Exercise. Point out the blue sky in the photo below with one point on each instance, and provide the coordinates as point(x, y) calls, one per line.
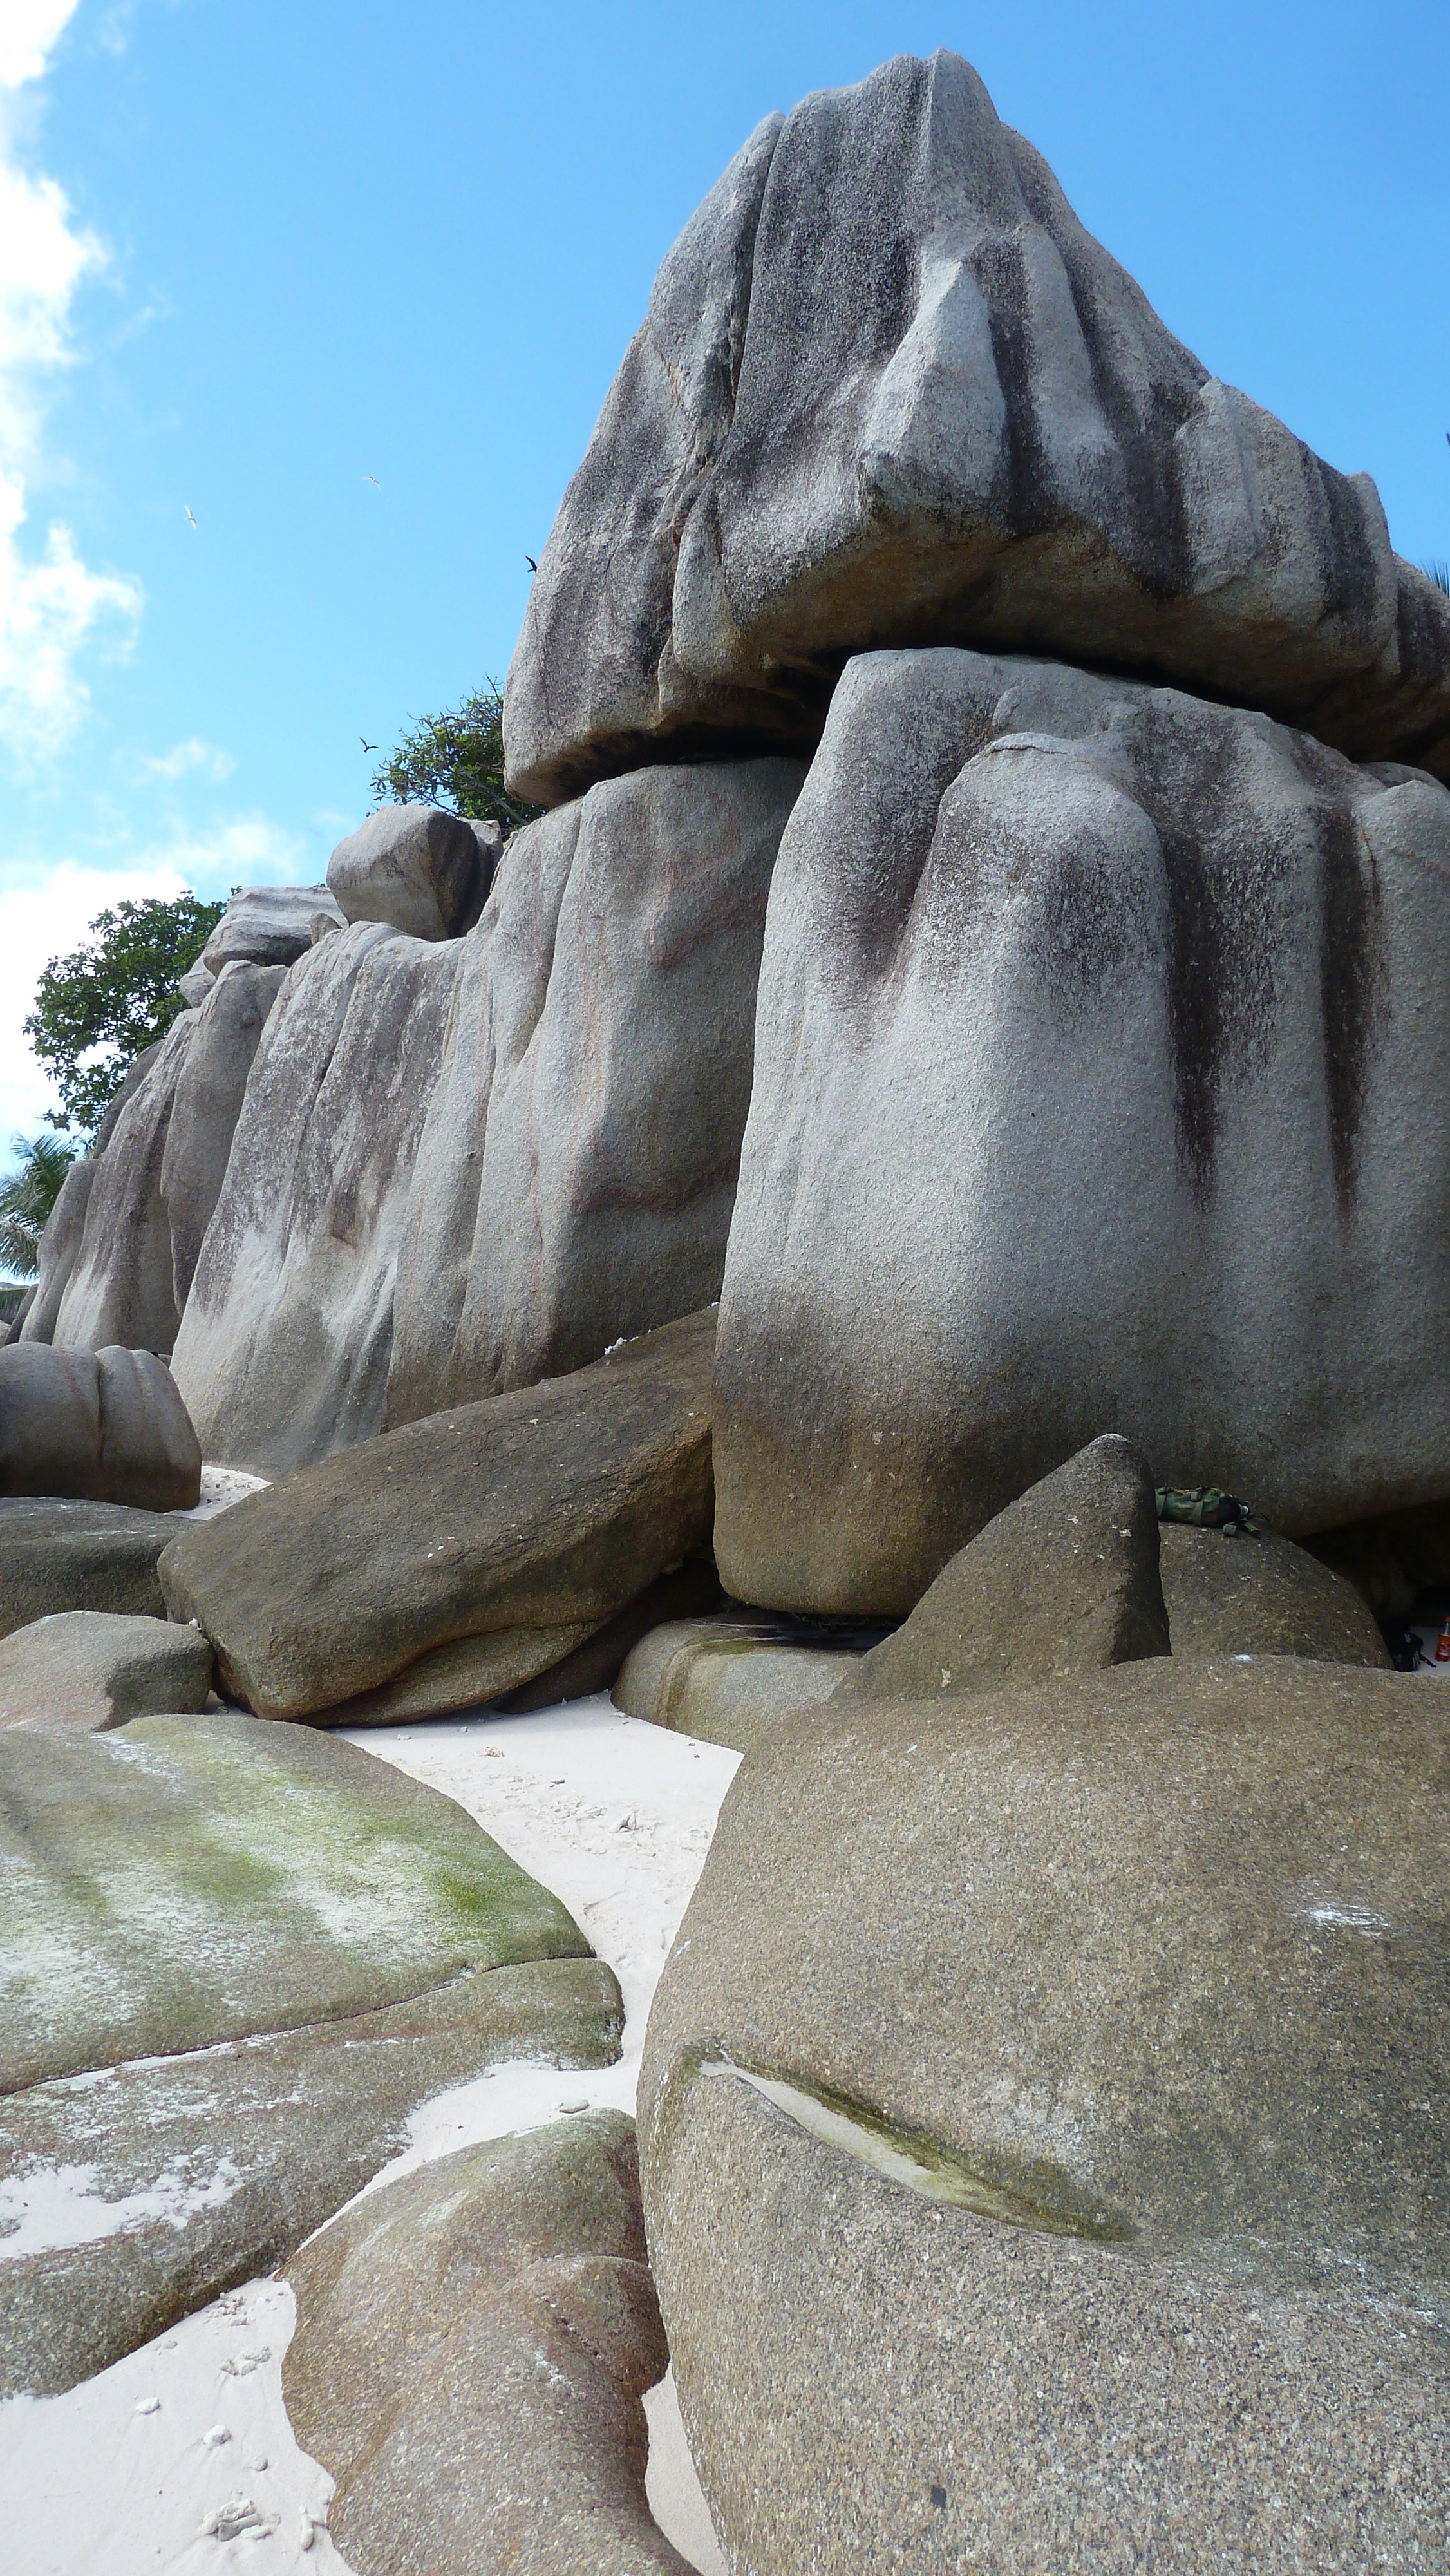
point(253, 252)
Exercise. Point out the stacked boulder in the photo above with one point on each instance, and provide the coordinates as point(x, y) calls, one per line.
point(990, 929)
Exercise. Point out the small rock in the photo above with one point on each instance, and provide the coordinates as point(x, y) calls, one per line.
point(1064, 1581)
point(94, 1669)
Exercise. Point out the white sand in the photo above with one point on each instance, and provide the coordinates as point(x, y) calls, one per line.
point(616, 1818)
point(221, 1487)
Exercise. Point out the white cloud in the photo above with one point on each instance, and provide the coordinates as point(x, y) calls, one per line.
point(29, 32)
point(189, 759)
point(47, 611)
point(51, 603)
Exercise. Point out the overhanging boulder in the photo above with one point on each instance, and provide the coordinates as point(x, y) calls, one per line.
point(973, 428)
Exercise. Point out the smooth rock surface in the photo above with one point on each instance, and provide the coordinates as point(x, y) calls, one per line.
point(1102, 1034)
point(268, 925)
point(99, 1426)
point(92, 1669)
point(726, 1679)
point(61, 1555)
point(283, 1351)
point(1262, 1596)
point(1099, 2211)
point(237, 1957)
point(416, 867)
point(576, 1173)
point(452, 1560)
point(120, 1286)
point(65, 1228)
point(209, 1093)
point(472, 2346)
point(56, 1255)
point(973, 429)
point(235, 1878)
point(1064, 1581)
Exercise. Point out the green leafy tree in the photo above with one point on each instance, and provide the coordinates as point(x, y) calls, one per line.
point(116, 993)
point(455, 759)
point(27, 1196)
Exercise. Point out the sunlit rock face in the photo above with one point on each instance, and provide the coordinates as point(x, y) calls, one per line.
point(1101, 1047)
point(575, 1173)
point(889, 391)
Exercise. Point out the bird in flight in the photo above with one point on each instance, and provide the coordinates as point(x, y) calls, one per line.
point(367, 746)
point(186, 505)
point(372, 478)
point(529, 560)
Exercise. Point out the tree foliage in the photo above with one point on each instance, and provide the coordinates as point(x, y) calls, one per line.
point(116, 993)
point(455, 759)
point(27, 1196)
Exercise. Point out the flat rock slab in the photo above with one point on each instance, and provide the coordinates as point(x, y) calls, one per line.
point(189, 1880)
point(131, 2196)
point(472, 2347)
point(59, 1555)
point(1262, 1596)
point(451, 1560)
point(1064, 1581)
point(93, 1669)
point(1042, 2127)
point(726, 1679)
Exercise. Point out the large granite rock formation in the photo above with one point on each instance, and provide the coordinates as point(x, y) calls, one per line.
point(145, 1198)
point(96, 1426)
point(65, 1228)
point(120, 1285)
point(210, 1089)
point(1042, 2128)
point(452, 1560)
point(416, 867)
point(56, 1257)
point(1103, 1037)
point(237, 1957)
point(472, 2346)
point(283, 1351)
point(972, 429)
point(576, 1172)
